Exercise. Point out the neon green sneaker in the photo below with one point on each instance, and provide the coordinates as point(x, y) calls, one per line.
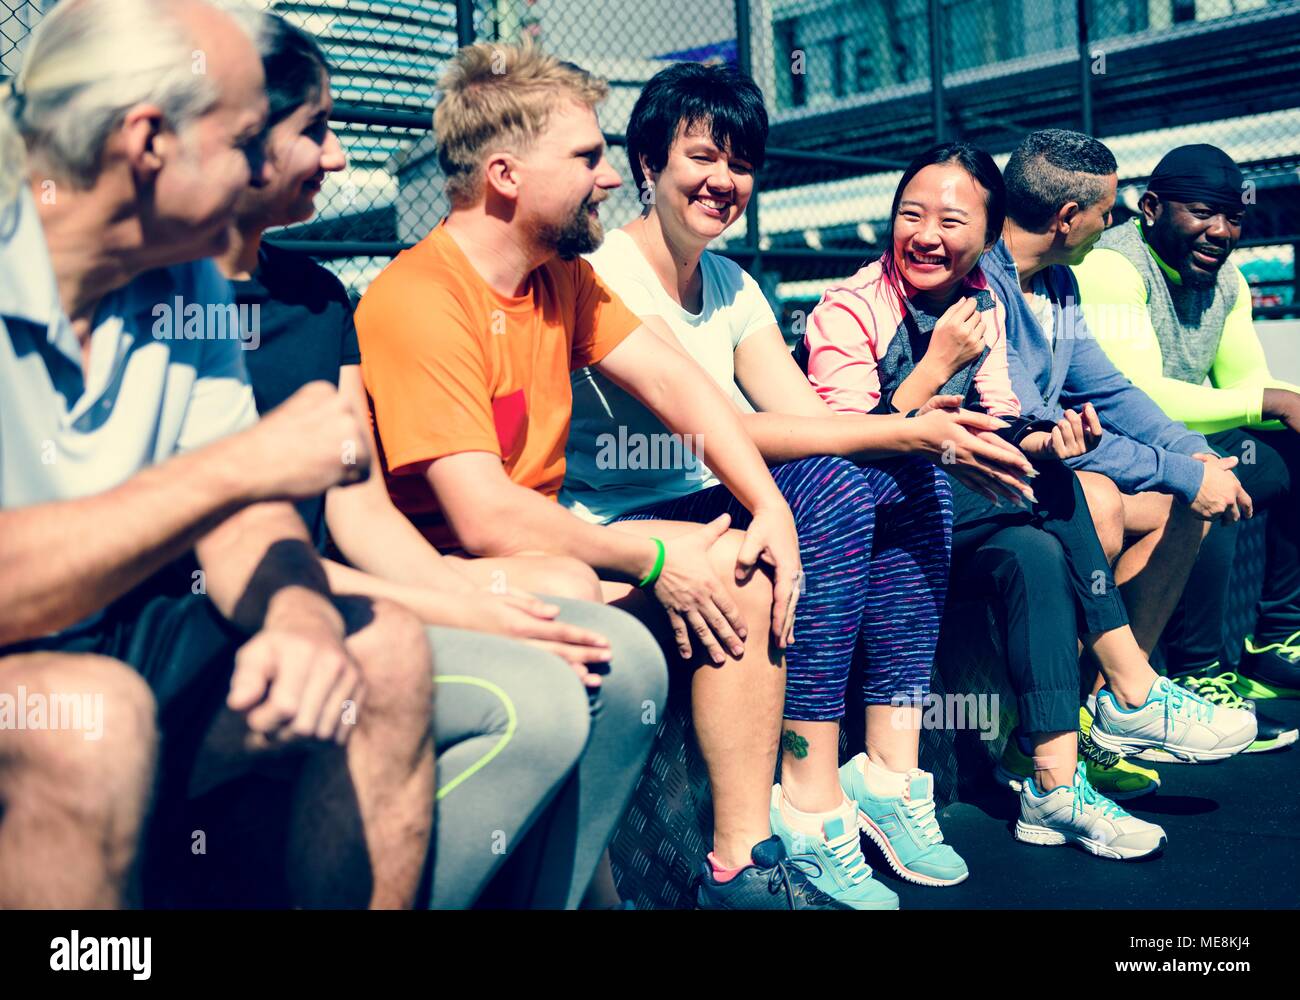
point(1271, 670)
point(1221, 689)
point(1109, 773)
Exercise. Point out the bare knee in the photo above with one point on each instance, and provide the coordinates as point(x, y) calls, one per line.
point(129, 717)
point(1106, 505)
point(114, 704)
point(564, 576)
point(1184, 522)
point(753, 596)
point(392, 652)
point(96, 750)
point(1155, 513)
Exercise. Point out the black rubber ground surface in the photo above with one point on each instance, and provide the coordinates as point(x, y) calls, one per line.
point(1234, 842)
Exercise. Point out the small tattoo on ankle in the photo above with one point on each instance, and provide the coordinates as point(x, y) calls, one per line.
point(795, 744)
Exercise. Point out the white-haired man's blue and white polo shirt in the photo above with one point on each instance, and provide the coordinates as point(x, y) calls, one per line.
point(153, 387)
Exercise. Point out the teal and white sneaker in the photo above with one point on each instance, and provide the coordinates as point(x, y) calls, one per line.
point(904, 826)
point(1174, 724)
point(837, 849)
point(1081, 815)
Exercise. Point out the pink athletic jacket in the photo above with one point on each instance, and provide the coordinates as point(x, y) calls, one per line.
point(864, 339)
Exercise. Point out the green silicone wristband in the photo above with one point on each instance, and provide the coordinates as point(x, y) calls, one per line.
point(658, 567)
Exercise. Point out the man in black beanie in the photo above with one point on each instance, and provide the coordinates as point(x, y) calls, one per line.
point(1172, 311)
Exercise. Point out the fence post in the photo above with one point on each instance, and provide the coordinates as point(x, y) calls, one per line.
point(937, 110)
point(1295, 277)
point(1085, 67)
point(464, 22)
point(745, 62)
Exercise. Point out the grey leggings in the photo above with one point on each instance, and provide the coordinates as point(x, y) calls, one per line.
point(511, 723)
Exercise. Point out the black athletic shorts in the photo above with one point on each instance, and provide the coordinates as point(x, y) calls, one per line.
point(183, 648)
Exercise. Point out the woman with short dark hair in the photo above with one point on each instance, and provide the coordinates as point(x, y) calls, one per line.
point(873, 537)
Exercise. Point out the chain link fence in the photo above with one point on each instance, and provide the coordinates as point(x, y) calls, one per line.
point(853, 93)
point(1143, 75)
point(17, 18)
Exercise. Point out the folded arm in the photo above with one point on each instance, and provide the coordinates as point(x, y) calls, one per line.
point(62, 561)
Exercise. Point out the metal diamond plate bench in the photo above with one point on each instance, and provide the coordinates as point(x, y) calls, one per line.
point(668, 827)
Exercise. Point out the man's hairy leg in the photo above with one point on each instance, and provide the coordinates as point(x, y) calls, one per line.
point(73, 806)
point(363, 813)
point(1153, 570)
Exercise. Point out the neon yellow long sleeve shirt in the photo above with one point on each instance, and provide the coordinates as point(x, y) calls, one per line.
point(1114, 298)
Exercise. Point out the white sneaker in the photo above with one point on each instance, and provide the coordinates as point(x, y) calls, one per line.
point(1174, 725)
point(1081, 815)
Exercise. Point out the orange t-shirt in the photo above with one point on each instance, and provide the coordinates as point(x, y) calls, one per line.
point(452, 366)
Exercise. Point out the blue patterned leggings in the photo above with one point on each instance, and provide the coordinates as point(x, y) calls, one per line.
point(876, 542)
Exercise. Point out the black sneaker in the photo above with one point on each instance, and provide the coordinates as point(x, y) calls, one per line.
point(1221, 689)
point(775, 881)
point(1272, 735)
point(1270, 670)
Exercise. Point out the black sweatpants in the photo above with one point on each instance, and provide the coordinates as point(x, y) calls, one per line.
point(1046, 569)
point(1269, 466)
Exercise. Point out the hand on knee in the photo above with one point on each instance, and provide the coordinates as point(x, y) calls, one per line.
point(755, 595)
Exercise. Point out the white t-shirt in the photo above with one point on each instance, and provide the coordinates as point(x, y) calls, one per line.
point(1040, 304)
point(620, 457)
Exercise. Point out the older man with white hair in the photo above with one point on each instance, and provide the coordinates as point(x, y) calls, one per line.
point(136, 125)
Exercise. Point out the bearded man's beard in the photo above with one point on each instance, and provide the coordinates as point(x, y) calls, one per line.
point(582, 233)
point(1193, 275)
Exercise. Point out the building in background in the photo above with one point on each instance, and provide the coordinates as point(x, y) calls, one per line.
point(625, 45)
point(853, 77)
point(849, 90)
point(389, 55)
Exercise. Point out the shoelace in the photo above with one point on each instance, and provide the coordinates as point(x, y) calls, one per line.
point(1085, 795)
point(1291, 649)
point(1181, 701)
point(847, 851)
point(1217, 690)
point(922, 813)
point(808, 866)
